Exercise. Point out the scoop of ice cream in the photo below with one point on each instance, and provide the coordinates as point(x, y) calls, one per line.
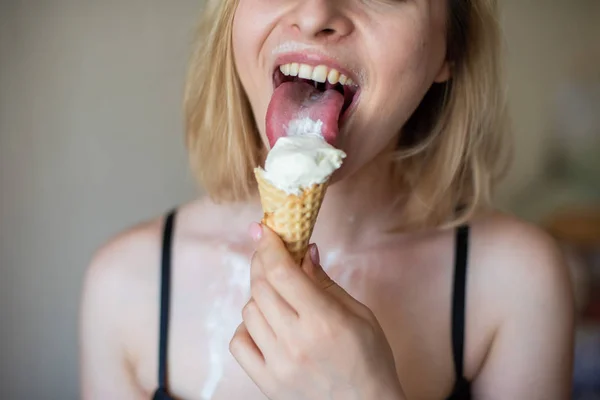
point(300, 161)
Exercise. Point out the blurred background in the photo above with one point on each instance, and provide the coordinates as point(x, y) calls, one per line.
point(91, 142)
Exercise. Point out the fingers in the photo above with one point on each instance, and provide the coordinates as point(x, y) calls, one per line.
point(289, 281)
point(258, 328)
point(312, 267)
point(280, 316)
point(247, 354)
point(314, 270)
point(273, 308)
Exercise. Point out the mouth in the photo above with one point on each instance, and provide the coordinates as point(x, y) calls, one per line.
point(323, 78)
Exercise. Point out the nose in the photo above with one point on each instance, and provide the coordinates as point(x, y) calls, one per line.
point(321, 20)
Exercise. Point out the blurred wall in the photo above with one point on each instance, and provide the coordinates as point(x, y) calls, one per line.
point(91, 142)
point(548, 42)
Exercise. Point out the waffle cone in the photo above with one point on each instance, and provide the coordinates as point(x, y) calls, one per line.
point(291, 217)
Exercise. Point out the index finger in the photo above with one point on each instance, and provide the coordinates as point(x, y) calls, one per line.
point(292, 284)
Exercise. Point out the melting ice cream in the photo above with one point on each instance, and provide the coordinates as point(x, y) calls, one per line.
point(301, 159)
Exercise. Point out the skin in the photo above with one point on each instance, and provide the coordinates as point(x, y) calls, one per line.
point(375, 321)
point(300, 328)
point(379, 41)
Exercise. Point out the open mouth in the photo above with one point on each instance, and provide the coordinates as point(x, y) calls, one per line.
point(323, 78)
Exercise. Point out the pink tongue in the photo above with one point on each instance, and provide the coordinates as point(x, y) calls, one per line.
point(298, 100)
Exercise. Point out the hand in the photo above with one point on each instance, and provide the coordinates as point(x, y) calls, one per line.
point(304, 337)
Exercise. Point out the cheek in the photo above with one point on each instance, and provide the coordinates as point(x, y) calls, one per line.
point(244, 41)
point(402, 65)
point(405, 70)
point(251, 27)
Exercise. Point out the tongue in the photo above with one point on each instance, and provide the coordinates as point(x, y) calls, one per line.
point(300, 100)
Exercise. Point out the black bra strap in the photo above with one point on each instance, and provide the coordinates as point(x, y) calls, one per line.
point(165, 289)
point(458, 298)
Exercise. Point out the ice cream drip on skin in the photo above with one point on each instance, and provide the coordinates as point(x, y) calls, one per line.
point(330, 258)
point(224, 317)
point(347, 271)
point(301, 159)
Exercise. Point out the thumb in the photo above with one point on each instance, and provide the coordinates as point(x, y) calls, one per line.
point(311, 265)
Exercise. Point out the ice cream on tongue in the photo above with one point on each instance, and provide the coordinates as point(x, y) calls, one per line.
point(298, 101)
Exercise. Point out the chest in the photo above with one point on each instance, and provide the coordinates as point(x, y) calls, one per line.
point(412, 306)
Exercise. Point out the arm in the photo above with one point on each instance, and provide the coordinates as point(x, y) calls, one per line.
point(105, 373)
point(531, 354)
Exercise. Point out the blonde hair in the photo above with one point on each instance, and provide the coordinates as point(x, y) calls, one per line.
point(450, 153)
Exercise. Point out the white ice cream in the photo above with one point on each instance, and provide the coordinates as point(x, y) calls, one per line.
point(299, 161)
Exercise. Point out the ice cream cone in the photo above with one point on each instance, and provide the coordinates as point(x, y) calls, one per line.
point(292, 217)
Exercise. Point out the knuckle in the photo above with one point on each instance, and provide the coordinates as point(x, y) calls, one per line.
point(279, 272)
point(249, 310)
point(256, 285)
point(235, 344)
point(363, 334)
point(334, 326)
point(367, 331)
point(298, 354)
point(366, 313)
point(325, 330)
point(255, 264)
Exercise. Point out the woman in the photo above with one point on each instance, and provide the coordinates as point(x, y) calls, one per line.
point(442, 296)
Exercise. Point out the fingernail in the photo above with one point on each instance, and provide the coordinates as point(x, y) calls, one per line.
point(256, 231)
point(314, 254)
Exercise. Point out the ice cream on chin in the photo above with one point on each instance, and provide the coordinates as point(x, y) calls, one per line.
point(294, 181)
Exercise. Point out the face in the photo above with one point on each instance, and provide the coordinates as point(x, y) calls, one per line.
point(390, 51)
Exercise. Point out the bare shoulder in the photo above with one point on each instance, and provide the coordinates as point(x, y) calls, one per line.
point(121, 289)
point(513, 254)
point(131, 259)
point(118, 272)
point(518, 265)
point(521, 282)
point(121, 259)
point(520, 302)
point(109, 300)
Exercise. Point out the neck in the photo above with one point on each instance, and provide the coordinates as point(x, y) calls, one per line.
point(361, 208)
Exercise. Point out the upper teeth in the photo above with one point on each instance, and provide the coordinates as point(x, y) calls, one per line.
point(320, 73)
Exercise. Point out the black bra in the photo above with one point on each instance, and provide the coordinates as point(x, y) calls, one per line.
point(462, 387)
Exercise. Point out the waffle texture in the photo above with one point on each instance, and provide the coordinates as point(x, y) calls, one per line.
point(291, 217)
